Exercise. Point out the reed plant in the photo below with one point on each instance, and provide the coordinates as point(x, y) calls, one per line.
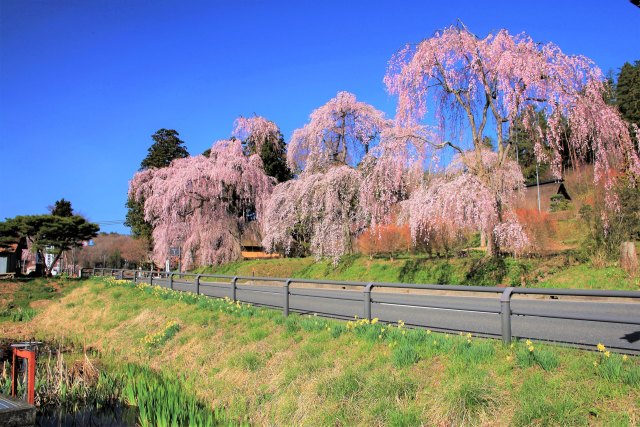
point(163, 401)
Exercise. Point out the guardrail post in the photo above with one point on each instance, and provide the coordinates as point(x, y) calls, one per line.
point(93, 272)
point(197, 284)
point(234, 288)
point(367, 301)
point(121, 275)
point(151, 278)
point(505, 315)
point(171, 281)
point(135, 276)
point(285, 295)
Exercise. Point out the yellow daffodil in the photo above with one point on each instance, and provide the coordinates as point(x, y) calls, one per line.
point(601, 347)
point(428, 331)
point(374, 321)
point(625, 357)
point(607, 353)
point(529, 342)
point(531, 349)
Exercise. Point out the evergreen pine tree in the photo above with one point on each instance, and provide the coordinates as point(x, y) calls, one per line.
point(167, 147)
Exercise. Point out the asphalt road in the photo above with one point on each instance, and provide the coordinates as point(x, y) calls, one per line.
point(476, 314)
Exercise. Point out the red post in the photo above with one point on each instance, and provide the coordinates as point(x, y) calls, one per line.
point(13, 374)
point(30, 355)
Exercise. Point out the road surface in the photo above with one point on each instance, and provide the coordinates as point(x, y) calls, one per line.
point(476, 314)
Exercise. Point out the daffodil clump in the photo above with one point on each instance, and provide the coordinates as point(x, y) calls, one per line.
point(616, 367)
point(156, 339)
point(527, 354)
point(220, 305)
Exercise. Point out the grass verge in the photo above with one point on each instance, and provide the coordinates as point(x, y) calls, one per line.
point(304, 370)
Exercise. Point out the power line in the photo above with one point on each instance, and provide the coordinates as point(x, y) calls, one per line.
point(110, 222)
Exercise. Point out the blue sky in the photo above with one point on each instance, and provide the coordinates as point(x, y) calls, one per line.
point(83, 84)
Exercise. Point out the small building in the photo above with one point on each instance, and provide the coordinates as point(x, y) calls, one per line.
point(10, 257)
point(251, 242)
point(548, 189)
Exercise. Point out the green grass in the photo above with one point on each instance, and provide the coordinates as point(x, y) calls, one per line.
point(560, 271)
point(584, 276)
point(306, 370)
point(468, 396)
point(18, 308)
point(542, 403)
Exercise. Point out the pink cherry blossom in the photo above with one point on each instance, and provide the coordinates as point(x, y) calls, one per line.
point(255, 131)
point(202, 204)
point(340, 132)
point(481, 84)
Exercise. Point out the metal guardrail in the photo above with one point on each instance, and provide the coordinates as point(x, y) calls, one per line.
point(505, 294)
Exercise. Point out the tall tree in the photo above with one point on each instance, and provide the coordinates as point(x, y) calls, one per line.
point(351, 168)
point(167, 146)
point(480, 84)
point(199, 203)
point(49, 233)
point(627, 92)
point(62, 207)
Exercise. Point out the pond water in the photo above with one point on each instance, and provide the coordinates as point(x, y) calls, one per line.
point(117, 415)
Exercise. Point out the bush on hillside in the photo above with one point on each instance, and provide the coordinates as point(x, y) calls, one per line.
point(539, 227)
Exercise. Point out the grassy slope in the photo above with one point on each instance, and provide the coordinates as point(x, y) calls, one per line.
point(307, 371)
point(560, 271)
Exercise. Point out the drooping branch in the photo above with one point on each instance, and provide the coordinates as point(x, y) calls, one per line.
point(198, 203)
point(514, 79)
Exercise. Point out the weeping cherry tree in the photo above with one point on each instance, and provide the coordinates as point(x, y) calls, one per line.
point(350, 174)
point(481, 88)
point(201, 203)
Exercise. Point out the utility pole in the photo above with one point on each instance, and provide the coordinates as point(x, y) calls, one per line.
point(538, 186)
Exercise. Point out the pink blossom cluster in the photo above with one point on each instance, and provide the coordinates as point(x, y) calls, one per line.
point(475, 193)
point(339, 132)
point(346, 182)
point(496, 80)
point(320, 210)
point(200, 203)
point(256, 130)
point(493, 82)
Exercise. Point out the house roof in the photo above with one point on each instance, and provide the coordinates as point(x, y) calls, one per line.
point(547, 190)
point(10, 249)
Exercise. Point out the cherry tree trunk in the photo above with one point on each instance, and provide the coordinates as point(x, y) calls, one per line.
point(628, 257)
point(492, 246)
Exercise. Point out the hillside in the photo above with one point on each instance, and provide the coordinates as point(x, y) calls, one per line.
point(557, 271)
